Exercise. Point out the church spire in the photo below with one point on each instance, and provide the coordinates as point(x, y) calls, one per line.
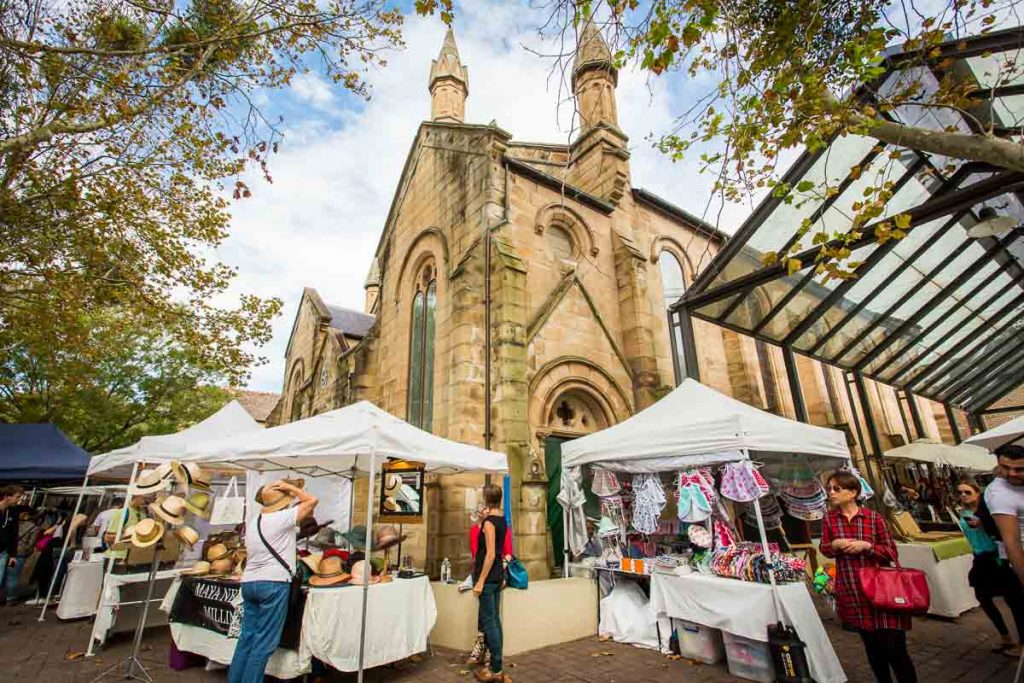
point(449, 83)
point(594, 79)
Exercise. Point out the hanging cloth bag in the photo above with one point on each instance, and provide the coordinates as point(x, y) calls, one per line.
point(515, 574)
point(292, 631)
point(228, 508)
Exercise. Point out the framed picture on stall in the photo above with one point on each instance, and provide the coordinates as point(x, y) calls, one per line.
point(401, 492)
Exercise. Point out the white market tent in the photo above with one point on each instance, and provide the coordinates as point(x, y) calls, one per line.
point(350, 442)
point(969, 457)
point(230, 421)
point(696, 425)
point(1008, 432)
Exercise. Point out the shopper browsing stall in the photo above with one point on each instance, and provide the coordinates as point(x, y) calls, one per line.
point(857, 537)
point(266, 582)
point(488, 577)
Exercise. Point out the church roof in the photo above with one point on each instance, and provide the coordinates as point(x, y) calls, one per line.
point(351, 323)
point(256, 403)
point(448, 64)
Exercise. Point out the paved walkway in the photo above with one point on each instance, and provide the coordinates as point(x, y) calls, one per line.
point(943, 651)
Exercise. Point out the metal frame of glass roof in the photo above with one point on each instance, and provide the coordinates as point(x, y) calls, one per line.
point(937, 313)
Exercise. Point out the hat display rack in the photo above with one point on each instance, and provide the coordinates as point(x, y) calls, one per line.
point(168, 513)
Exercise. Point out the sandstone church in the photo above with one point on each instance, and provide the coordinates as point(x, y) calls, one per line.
point(517, 298)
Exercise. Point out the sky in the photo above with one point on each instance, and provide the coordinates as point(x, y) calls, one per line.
point(336, 171)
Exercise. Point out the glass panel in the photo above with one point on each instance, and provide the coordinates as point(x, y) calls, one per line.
point(672, 283)
point(428, 358)
point(714, 310)
point(998, 69)
point(415, 410)
point(1009, 110)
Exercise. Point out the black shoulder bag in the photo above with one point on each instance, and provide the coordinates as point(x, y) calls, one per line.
point(292, 631)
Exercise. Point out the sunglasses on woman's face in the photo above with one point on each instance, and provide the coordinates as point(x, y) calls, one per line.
point(965, 492)
point(835, 489)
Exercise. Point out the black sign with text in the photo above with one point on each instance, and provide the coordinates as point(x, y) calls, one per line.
point(213, 605)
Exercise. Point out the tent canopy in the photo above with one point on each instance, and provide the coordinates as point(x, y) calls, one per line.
point(696, 425)
point(39, 451)
point(1008, 432)
point(341, 442)
point(114, 489)
point(230, 421)
point(969, 457)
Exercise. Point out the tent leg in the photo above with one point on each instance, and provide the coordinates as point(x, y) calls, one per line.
point(63, 552)
point(110, 562)
point(367, 567)
point(565, 543)
point(768, 554)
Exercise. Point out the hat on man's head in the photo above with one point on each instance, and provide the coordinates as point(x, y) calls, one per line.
point(272, 501)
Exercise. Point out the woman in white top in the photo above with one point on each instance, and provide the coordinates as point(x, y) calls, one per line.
point(266, 582)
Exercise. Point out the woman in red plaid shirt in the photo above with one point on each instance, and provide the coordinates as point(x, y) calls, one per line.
point(858, 537)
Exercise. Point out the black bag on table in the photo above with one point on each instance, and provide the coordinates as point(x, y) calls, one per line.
point(788, 654)
point(292, 631)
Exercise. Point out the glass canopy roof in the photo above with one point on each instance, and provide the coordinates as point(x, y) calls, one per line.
point(937, 312)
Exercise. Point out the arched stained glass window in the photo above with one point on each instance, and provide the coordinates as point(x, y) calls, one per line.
point(421, 352)
point(673, 286)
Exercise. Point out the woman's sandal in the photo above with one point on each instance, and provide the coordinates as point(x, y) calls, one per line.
point(485, 676)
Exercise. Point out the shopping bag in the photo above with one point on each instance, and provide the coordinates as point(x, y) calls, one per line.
point(895, 589)
point(789, 655)
point(515, 574)
point(228, 508)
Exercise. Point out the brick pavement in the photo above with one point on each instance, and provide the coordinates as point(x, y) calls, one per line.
point(942, 650)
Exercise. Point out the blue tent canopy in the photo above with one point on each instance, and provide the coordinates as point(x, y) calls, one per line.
point(39, 451)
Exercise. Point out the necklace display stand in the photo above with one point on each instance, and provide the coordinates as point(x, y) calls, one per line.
point(130, 668)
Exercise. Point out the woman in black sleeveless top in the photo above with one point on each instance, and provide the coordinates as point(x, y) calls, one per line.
point(488, 579)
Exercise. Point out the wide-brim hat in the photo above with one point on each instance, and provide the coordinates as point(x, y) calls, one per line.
point(188, 536)
point(146, 533)
point(392, 482)
point(190, 475)
point(330, 572)
point(222, 567)
point(359, 574)
point(200, 504)
point(151, 481)
point(171, 509)
point(217, 551)
point(309, 527)
point(356, 537)
point(272, 501)
point(387, 536)
point(312, 561)
point(200, 568)
point(325, 538)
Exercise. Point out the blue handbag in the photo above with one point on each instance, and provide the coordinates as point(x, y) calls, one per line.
point(515, 574)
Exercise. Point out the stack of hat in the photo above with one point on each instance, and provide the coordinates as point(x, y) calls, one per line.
point(804, 501)
point(221, 559)
point(328, 568)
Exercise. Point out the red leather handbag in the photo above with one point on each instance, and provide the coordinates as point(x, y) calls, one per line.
point(895, 589)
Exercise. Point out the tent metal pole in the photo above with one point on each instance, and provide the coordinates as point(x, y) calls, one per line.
point(768, 555)
point(63, 551)
point(367, 566)
point(110, 560)
point(565, 543)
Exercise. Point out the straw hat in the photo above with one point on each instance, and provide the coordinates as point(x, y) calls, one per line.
point(386, 536)
point(272, 501)
point(240, 555)
point(188, 536)
point(169, 508)
point(217, 551)
point(359, 573)
point(146, 533)
point(151, 481)
point(392, 484)
point(312, 561)
point(190, 475)
point(222, 567)
point(330, 572)
point(200, 504)
point(200, 568)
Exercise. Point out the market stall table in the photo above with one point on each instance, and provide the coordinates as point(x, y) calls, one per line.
point(81, 592)
point(744, 608)
point(947, 577)
point(112, 598)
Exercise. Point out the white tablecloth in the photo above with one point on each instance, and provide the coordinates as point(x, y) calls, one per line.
point(399, 618)
point(81, 591)
point(947, 579)
point(744, 608)
point(105, 613)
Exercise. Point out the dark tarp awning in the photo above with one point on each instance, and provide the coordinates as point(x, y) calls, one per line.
point(938, 312)
point(39, 451)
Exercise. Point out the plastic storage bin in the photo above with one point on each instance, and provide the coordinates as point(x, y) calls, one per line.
point(749, 659)
point(700, 642)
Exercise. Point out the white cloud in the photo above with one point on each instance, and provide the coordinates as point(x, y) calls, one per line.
point(318, 224)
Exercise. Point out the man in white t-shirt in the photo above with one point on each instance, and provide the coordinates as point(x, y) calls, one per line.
point(266, 582)
point(1005, 500)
